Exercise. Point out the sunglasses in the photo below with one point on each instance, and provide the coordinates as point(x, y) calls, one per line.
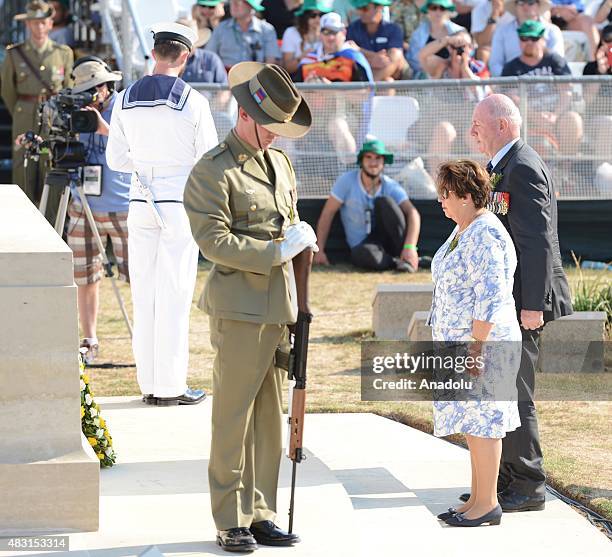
point(529, 39)
point(436, 8)
point(312, 15)
point(527, 2)
point(329, 32)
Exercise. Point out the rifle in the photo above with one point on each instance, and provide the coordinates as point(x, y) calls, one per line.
point(297, 369)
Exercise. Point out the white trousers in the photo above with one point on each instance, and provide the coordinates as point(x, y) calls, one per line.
point(163, 267)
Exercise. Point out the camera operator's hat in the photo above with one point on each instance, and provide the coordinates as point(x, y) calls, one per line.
point(544, 5)
point(36, 10)
point(448, 5)
point(375, 146)
point(170, 31)
point(91, 73)
point(268, 95)
point(531, 28)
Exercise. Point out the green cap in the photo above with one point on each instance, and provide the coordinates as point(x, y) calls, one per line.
point(323, 6)
point(256, 5)
point(208, 3)
point(446, 4)
point(531, 28)
point(375, 146)
point(363, 3)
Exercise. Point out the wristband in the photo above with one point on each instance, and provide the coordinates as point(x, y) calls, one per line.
point(410, 246)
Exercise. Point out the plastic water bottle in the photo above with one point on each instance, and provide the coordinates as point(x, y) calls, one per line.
point(598, 265)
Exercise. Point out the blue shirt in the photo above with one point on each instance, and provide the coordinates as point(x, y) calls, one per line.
point(349, 191)
point(204, 66)
point(387, 36)
point(115, 185)
point(232, 45)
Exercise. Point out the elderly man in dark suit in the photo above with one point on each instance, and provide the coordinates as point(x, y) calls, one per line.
point(525, 201)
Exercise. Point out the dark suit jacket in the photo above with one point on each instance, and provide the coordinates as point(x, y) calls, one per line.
point(540, 283)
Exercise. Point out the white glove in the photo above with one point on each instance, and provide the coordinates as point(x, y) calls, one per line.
point(298, 237)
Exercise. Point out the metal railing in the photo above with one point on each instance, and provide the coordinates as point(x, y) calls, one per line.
point(568, 120)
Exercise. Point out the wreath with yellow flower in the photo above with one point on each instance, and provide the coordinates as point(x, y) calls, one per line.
point(93, 424)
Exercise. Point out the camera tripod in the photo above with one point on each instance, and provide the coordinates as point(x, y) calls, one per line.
point(57, 178)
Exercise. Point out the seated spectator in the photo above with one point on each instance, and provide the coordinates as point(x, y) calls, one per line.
point(486, 16)
point(449, 113)
point(506, 44)
point(435, 27)
point(568, 14)
point(598, 99)
point(335, 59)
point(604, 13)
point(407, 14)
point(62, 32)
point(109, 206)
point(381, 42)
point(207, 14)
point(304, 38)
point(203, 66)
point(552, 125)
point(381, 224)
point(243, 37)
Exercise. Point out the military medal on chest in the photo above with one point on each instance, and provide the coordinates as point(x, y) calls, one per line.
point(499, 201)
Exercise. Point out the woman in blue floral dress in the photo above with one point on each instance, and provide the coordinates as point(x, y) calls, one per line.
point(473, 276)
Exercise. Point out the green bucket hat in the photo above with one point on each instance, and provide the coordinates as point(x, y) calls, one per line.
point(375, 146)
point(446, 4)
point(531, 28)
point(256, 5)
point(208, 3)
point(323, 6)
point(363, 3)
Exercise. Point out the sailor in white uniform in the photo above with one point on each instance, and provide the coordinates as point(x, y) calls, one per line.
point(160, 127)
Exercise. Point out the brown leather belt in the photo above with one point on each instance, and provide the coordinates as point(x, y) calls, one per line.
point(32, 98)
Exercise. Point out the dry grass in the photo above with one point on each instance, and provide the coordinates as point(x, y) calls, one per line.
point(575, 436)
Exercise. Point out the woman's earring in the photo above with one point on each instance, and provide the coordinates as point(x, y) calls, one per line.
point(464, 204)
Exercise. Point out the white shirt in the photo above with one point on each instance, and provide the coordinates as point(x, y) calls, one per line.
point(500, 154)
point(161, 143)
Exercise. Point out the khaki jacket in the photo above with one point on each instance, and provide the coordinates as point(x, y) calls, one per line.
point(237, 216)
point(54, 64)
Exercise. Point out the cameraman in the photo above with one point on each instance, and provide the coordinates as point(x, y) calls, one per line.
point(109, 204)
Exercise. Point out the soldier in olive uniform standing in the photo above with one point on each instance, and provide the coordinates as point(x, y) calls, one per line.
point(32, 72)
point(241, 202)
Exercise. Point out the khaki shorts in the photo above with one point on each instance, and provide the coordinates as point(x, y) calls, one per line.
point(87, 259)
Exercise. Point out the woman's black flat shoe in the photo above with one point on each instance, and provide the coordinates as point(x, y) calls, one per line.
point(492, 518)
point(452, 511)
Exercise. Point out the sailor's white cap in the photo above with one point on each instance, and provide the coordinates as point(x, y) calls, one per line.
point(171, 31)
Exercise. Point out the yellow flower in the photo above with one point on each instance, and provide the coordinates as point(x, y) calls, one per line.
point(85, 378)
point(82, 411)
point(101, 456)
point(102, 422)
point(92, 441)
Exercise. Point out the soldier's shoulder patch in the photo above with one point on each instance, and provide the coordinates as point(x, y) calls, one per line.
point(215, 151)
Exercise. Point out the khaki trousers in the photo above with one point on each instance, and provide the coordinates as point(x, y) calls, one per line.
point(246, 445)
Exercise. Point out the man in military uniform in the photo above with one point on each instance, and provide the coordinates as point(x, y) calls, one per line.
point(32, 72)
point(241, 202)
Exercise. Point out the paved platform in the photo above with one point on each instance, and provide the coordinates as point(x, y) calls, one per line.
point(370, 487)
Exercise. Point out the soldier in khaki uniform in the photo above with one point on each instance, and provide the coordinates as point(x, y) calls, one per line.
point(32, 72)
point(241, 202)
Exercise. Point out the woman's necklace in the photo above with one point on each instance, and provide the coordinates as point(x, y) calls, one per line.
point(455, 241)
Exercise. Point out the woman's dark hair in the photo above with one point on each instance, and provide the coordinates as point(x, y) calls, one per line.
point(463, 177)
point(301, 22)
